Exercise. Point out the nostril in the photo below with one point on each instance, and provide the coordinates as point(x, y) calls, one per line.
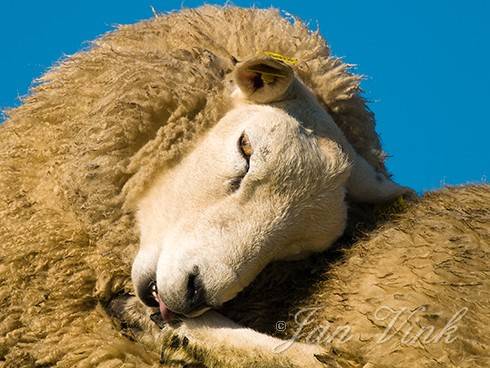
point(147, 291)
point(192, 283)
point(192, 286)
point(195, 292)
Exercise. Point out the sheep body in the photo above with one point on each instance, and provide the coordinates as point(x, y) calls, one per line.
point(96, 128)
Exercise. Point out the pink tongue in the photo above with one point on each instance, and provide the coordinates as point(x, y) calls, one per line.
point(166, 313)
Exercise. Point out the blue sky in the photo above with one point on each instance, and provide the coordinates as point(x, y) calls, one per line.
point(426, 62)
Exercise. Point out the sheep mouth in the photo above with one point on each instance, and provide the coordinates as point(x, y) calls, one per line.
point(165, 313)
point(167, 316)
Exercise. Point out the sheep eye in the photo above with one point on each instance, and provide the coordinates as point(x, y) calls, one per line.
point(245, 146)
point(246, 150)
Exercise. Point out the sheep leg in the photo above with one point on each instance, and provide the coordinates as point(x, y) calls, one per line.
point(219, 334)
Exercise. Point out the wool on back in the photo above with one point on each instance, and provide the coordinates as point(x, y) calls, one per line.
point(92, 134)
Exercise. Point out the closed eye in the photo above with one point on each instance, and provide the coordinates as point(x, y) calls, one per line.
point(246, 150)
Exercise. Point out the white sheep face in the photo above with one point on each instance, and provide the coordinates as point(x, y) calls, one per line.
point(262, 185)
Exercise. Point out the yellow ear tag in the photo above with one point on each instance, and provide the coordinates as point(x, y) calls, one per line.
point(280, 57)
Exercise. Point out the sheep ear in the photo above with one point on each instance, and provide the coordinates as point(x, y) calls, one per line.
point(367, 185)
point(263, 79)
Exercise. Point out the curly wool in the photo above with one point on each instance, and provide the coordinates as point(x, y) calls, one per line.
point(88, 140)
point(91, 135)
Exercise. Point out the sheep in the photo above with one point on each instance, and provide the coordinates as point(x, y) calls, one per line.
point(86, 145)
point(408, 289)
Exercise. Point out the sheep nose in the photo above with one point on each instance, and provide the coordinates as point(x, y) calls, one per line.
point(195, 296)
point(145, 291)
